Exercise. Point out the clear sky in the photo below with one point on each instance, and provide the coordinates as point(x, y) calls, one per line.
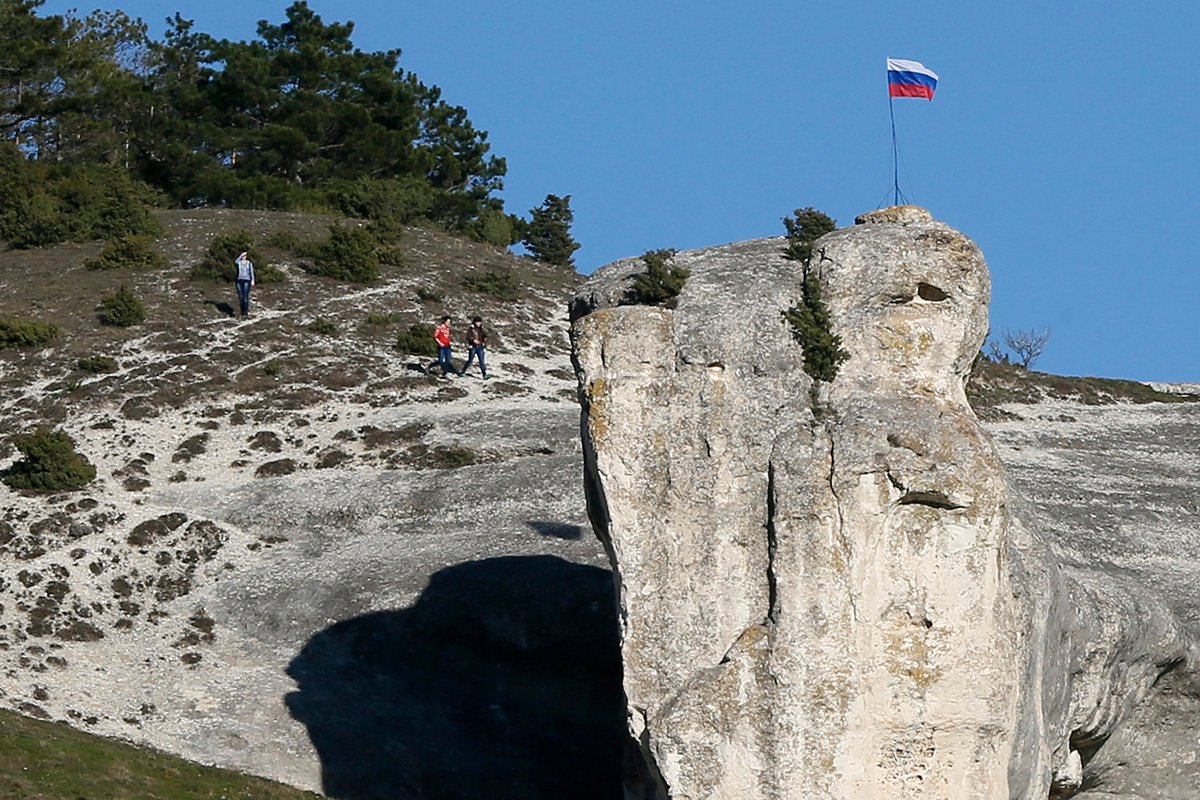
point(1063, 137)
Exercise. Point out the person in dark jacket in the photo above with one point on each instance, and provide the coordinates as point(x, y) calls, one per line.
point(476, 345)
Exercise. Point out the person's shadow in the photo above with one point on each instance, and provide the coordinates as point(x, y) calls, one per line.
point(502, 681)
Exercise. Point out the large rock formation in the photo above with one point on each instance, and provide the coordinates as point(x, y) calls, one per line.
point(829, 590)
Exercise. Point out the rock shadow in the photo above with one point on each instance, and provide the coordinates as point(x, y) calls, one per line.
point(502, 681)
point(557, 530)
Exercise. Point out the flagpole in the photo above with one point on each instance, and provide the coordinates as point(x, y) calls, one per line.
point(895, 154)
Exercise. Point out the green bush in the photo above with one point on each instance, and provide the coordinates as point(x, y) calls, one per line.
point(548, 233)
point(429, 295)
point(97, 364)
point(660, 284)
point(811, 327)
point(121, 309)
point(49, 463)
point(495, 227)
point(283, 240)
point(323, 327)
point(377, 319)
point(498, 283)
point(217, 264)
point(45, 203)
point(388, 204)
point(348, 255)
point(417, 340)
point(803, 229)
point(127, 252)
point(26, 333)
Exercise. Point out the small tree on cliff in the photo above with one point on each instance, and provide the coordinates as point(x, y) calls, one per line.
point(803, 228)
point(548, 234)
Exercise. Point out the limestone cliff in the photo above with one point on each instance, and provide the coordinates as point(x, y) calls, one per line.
point(830, 590)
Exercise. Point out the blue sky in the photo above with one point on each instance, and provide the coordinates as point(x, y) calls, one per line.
point(1063, 137)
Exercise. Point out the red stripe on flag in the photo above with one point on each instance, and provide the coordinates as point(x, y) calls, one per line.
point(909, 90)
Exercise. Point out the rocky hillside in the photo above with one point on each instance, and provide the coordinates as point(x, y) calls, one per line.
point(305, 558)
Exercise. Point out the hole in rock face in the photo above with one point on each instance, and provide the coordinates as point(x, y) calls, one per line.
point(927, 291)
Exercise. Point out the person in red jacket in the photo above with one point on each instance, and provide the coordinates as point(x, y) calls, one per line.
point(441, 335)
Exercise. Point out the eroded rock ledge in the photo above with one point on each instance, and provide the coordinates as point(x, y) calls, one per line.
point(830, 591)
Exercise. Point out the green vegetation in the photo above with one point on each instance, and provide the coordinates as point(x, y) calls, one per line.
point(121, 309)
point(660, 284)
point(430, 295)
point(127, 252)
point(823, 352)
point(805, 227)
point(273, 368)
point(98, 121)
point(417, 339)
point(26, 332)
point(51, 760)
point(323, 327)
point(97, 364)
point(548, 233)
point(49, 463)
point(217, 265)
point(499, 283)
point(348, 255)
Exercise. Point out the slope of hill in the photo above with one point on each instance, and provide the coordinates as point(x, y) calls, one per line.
point(259, 483)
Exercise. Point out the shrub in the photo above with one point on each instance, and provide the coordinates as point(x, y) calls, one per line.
point(823, 353)
point(388, 204)
point(49, 463)
point(26, 333)
point(283, 240)
point(803, 229)
point(660, 284)
point(323, 327)
point(429, 295)
point(97, 364)
point(273, 368)
point(127, 252)
point(348, 255)
point(377, 319)
point(217, 264)
point(121, 309)
point(497, 228)
point(417, 340)
point(498, 283)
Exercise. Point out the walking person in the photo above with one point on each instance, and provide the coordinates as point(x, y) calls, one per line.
point(477, 344)
point(245, 279)
point(441, 335)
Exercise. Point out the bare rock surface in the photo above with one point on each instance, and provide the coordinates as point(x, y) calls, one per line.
point(831, 590)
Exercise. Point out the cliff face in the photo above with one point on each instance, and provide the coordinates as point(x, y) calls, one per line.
point(829, 590)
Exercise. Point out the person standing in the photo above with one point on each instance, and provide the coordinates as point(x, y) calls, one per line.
point(441, 335)
point(476, 344)
point(245, 279)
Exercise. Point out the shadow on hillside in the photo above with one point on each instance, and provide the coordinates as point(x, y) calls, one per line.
point(220, 305)
point(502, 681)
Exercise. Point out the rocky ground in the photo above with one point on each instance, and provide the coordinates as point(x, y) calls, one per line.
point(305, 558)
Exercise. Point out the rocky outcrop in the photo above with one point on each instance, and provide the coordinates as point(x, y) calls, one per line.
point(830, 589)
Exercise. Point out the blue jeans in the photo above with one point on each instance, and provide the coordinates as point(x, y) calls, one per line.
point(243, 290)
point(476, 350)
point(444, 359)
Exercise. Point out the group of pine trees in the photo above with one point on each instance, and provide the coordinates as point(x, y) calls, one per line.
point(99, 120)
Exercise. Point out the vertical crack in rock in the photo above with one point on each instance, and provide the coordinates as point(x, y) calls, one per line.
point(772, 546)
point(843, 541)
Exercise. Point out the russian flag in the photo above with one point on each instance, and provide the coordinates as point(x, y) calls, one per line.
point(910, 79)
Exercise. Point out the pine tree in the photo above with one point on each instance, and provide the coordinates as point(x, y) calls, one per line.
point(548, 235)
point(803, 229)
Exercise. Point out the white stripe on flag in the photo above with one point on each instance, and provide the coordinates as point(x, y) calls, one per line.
point(903, 65)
